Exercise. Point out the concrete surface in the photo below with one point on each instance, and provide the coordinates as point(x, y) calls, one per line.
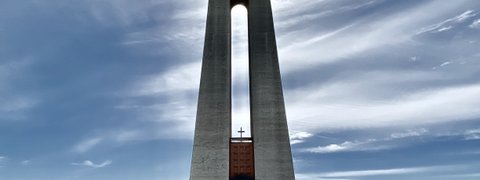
point(273, 157)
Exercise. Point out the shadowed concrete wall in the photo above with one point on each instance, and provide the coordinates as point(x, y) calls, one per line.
point(272, 153)
point(273, 157)
point(213, 126)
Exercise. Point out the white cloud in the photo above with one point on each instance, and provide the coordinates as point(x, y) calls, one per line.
point(297, 137)
point(348, 146)
point(473, 134)
point(466, 175)
point(118, 136)
point(445, 63)
point(88, 163)
point(378, 172)
point(126, 135)
point(409, 133)
point(468, 134)
point(286, 16)
point(306, 49)
point(444, 29)
point(121, 12)
point(25, 162)
point(177, 87)
point(449, 23)
point(306, 176)
point(184, 27)
point(385, 172)
point(372, 144)
point(14, 102)
point(475, 24)
point(86, 145)
point(352, 104)
point(3, 160)
point(144, 132)
point(180, 78)
point(464, 16)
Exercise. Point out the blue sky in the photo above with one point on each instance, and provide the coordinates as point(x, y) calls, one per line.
point(374, 89)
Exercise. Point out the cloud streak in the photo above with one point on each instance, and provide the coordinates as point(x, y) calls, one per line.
point(3, 160)
point(385, 172)
point(299, 137)
point(473, 134)
point(449, 23)
point(358, 37)
point(409, 133)
point(322, 108)
point(378, 172)
point(351, 146)
point(475, 24)
point(15, 103)
point(86, 145)
point(88, 163)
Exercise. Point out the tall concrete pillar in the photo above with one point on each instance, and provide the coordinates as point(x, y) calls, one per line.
point(272, 153)
point(213, 126)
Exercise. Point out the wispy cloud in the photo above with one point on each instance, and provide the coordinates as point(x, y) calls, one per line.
point(298, 137)
point(475, 24)
point(303, 176)
point(121, 12)
point(358, 37)
point(409, 133)
point(392, 141)
point(473, 134)
point(26, 162)
point(377, 172)
point(342, 105)
point(3, 160)
point(113, 137)
point(120, 136)
point(14, 102)
point(449, 23)
point(86, 145)
point(466, 175)
point(349, 146)
point(464, 16)
point(88, 163)
point(180, 78)
point(446, 63)
point(385, 172)
point(346, 146)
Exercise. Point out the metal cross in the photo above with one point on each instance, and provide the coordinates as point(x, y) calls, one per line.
point(241, 133)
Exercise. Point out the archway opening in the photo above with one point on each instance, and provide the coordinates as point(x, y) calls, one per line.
point(240, 77)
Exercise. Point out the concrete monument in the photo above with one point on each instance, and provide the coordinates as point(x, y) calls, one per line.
point(272, 158)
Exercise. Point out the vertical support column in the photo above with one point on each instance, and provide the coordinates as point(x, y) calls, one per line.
point(273, 157)
point(213, 125)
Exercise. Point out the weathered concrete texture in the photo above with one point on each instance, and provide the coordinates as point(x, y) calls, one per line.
point(272, 153)
point(273, 157)
point(213, 126)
